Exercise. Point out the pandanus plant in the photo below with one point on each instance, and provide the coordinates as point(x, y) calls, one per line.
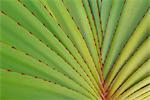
point(74, 50)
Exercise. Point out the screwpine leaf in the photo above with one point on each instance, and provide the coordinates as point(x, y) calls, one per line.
point(74, 50)
point(96, 17)
point(92, 24)
point(79, 16)
point(45, 55)
point(134, 88)
point(143, 96)
point(52, 25)
point(132, 44)
point(141, 73)
point(139, 92)
point(134, 62)
point(11, 61)
point(113, 19)
point(105, 12)
point(27, 87)
point(126, 26)
point(57, 7)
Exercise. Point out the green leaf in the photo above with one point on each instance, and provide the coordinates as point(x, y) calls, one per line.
point(74, 49)
point(27, 65)
point(70, 28)
point(134, 88)
point(134, 62)
point(27, 87)
point(126, 26)
point(132, 44)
